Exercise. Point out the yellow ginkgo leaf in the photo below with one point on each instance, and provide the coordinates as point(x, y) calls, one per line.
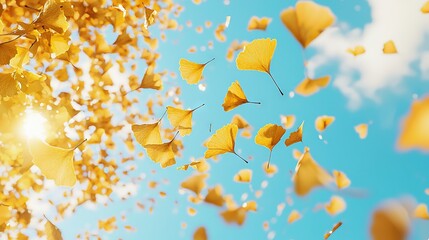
point(322, 122)
point(415, 128)
point(151, 79)
point(307, 21)
point(293, 216)
point(250, 206)
point(256, 23)
point(52, 16)
point(237, 215)
point(5, 214)
point(311, 86)
point(162, 153)
point(192, 72)
point(296, 136)
point(60, 44)
point(391, 221)
point(52, 232)
point(239, 121)
point(257, 56)
point(287, 121)
point(356, 51)
point(20, 59)
point(214, 196)
point(235, 97)
point(421, 211)
point(195, 183)
point(8, 85)
point(150, 15)
point(335, 206)
point(186, 166)
point(268, 136)
point(223, 141)
point(8, 51)
point(309, 175)
point(362, 130)
point(55, 163)
point(200, 234)
point(147, 133)
point(334, 228)
point(389, 48)
point(341, 179)
point(181, 119)
point(425, 7)
point(243, 176)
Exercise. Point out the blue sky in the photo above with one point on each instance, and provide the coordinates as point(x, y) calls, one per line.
point(377, 170)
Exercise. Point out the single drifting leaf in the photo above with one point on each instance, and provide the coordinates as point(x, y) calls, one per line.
point(55, 163)
point(237, 215)
point(181, 119)
point(235, 97)
point(334, 228)
point(186, 166)
point(151, 79)
point(335, 206)
point(250, 206)
point(147, 133)
point(192, 72)
point(214, 196)
point(243, 176)
point(239, 121)
point(223, 141)
point(425, 8)
point(294, 216)
point(52, 16)
point(356, 51)
point(162, 153)
point(362, 130)
point(341, 180)
point(307, 21)
point(309, 175)
point(195, 183)
point(256, 23)
point(389, 48)
point(322, 122)
point(296, 136)
point(421, 211)
point(270, 170)
point(391, 221)
point(150, 16)
point(52, 232)
point(200, 234)
point(287, 121)
point(415, 129)
point(311, 86)
point(257, 56)
point(268, 136)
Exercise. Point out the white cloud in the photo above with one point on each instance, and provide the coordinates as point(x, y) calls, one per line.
point(366, 75)
point(424, 65)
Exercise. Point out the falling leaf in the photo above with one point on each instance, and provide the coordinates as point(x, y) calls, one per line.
point(415, 129)
point(257, 56)
point(239, 121)
point(335, 206)
point(214, 196)
point(391, 221)
point(425, 8)
point(311, 86)
point(271, 170)
point(341, 180)
point(237, 215)
point(192, 72)
point(421, 211)
point(223, 141)
point(334, 228)
point(52, 232)
point(147, 133)
point(389, 48)
point(293, 216)
point(108, 225)
point(151, 80)
point(52, 16)
point(268, 136)
point(356, 51)
point(195, 183)
point(287, 121)
point(162, 153)
point(309, 175)
point(200, 234)
point(307, 21)
point(235, 97)
point(362, 130)
point(55, 163)
point(181, 119)
point(295, 137)
point(250, 206)
point(322, 122)
point(243, 176)
point(256, 23)
point(150, 15)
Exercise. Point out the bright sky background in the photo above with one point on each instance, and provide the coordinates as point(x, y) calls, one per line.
point(372, 88)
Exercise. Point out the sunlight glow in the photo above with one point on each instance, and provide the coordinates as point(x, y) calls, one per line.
point(33, 125)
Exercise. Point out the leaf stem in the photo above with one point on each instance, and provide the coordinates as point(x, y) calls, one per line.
point(275, 83)
point(269, 160)
point(162, 116)
point(240, 157)
point(198, 107)
point(253, 102)
point(209, 61)
point(78, 145)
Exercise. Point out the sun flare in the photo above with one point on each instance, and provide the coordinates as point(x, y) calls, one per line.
point(33, 125)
